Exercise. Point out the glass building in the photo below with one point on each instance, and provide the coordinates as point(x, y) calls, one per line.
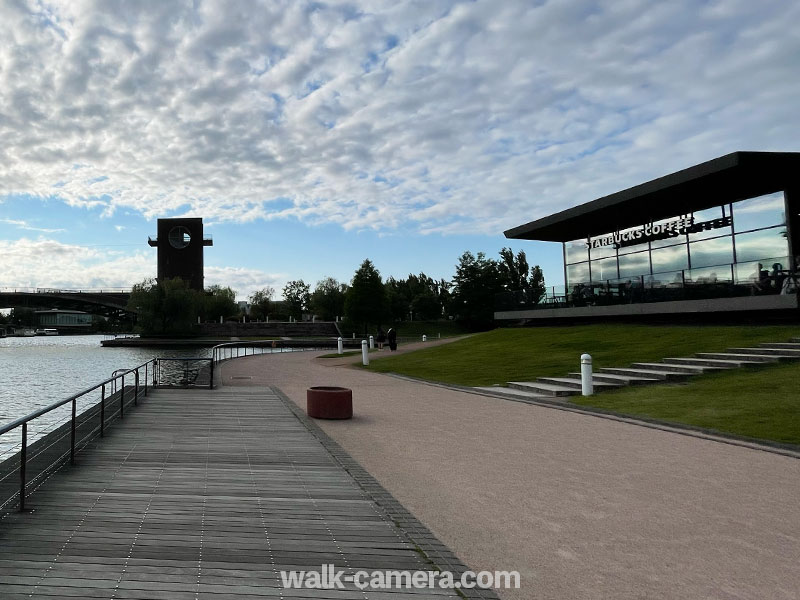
point(727, 228)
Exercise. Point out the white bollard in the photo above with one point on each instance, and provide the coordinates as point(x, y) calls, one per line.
point(424, 338)
point(340, 345)
point(371, 343)
point(354, 335)
point(364, 353)
point(587, 386)
point(220, 318)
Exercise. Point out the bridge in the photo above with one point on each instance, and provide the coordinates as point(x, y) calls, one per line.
point(106, 302)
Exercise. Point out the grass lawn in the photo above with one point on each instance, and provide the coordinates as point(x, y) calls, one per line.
point(524, 354)
point(761, 402)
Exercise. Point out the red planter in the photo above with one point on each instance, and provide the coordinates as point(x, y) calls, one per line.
point(327, 402)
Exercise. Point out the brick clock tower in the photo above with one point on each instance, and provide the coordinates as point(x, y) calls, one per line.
point(180, 244)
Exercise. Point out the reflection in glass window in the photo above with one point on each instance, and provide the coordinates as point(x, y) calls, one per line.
point(709, 275)
point(576, 251)
point(677, 238)
point(718, 251)
point(603, 251)
point(633, 265)
point(759, 244)
point(709, 216)
point(748, 273)
point(578, 273)
point(764, 211)
point(604, 269)
point(670, 259)
point(664, 280)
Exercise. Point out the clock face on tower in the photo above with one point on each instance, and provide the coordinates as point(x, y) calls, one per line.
point(179, 237)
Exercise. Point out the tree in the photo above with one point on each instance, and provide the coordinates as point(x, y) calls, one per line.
point(219, 302)
point(261, 303)
point(365, 301)
point(297, 296)
point(168, 306)
point(519, 277)
point(327, 301)
point(476, 282)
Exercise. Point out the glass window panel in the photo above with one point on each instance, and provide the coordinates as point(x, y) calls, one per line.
point(718, 251)
point(604, 269)
point(576, 251)
point(709, 275)
point(761, 244)
point(603, 251)
point(633, 265)
point(677, 238)
point(750, 272)
point(578, 273)
point(711, 217)
point(755, 213)
point(669, 259)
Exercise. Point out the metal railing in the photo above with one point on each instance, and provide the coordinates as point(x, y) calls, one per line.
point(184, 372)
point(51, 449)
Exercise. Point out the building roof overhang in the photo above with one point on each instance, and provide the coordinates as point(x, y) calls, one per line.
point(729, 178)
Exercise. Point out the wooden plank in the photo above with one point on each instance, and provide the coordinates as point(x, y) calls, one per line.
point(200, 494)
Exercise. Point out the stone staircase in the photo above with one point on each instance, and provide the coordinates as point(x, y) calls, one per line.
point(644, 373)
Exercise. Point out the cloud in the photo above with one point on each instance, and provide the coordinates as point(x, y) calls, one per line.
point(24, 225)
point(440, 118)
point(47, 263)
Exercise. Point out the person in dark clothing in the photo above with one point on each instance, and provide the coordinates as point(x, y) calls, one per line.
point(391, 337)
point(381, 339)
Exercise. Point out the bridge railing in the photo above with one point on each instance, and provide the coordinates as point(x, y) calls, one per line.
point(30, 290)
point(60, 430)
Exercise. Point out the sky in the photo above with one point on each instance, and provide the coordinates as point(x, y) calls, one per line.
point(310, 136)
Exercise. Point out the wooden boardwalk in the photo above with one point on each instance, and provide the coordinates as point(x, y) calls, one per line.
point(201, 495)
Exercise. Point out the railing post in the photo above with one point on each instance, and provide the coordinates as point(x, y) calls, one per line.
point(122, 399)
point(103, 411)
point(23, 459)
point(72, 434)
point(145, 378)
point(211, 380)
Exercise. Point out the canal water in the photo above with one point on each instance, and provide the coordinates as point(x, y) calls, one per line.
point(38, 371)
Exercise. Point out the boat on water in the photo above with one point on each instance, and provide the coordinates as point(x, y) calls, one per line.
point(46, 331)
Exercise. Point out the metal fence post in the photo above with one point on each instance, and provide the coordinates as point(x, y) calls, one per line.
point(145, 378)
point(103, 411)
point(122, 399)
point(136, 388)
point(23, 459)
point(72, 434)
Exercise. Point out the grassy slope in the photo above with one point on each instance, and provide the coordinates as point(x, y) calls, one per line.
point(762, 403)
point(524, 354)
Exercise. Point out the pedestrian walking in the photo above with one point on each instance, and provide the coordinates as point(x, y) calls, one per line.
point(391, 337)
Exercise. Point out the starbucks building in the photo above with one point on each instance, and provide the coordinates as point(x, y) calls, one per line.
point(722, 236)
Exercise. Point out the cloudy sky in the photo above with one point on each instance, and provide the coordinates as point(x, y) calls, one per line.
point(313, 135)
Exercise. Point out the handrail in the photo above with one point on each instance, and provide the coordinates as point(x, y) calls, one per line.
point(42, 411)
point(23, 422)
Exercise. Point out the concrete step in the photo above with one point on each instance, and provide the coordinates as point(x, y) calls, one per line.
point(621, 379)
point(544, 389)
point(573, 382)
point(784, 352)
point(782, 345)
point(675, 368)
point(735, 356)
point(710, 362)
point(663, 375)
point(515, 394)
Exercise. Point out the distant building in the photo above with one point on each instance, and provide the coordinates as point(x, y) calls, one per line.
point(64, 320)
point(180, 244)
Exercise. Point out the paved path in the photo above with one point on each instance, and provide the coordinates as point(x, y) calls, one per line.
point(203, 495)
point(583, 507)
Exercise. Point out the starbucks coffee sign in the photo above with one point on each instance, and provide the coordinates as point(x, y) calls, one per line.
point(656, 231)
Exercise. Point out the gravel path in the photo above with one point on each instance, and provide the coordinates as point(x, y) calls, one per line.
point(583, 507)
